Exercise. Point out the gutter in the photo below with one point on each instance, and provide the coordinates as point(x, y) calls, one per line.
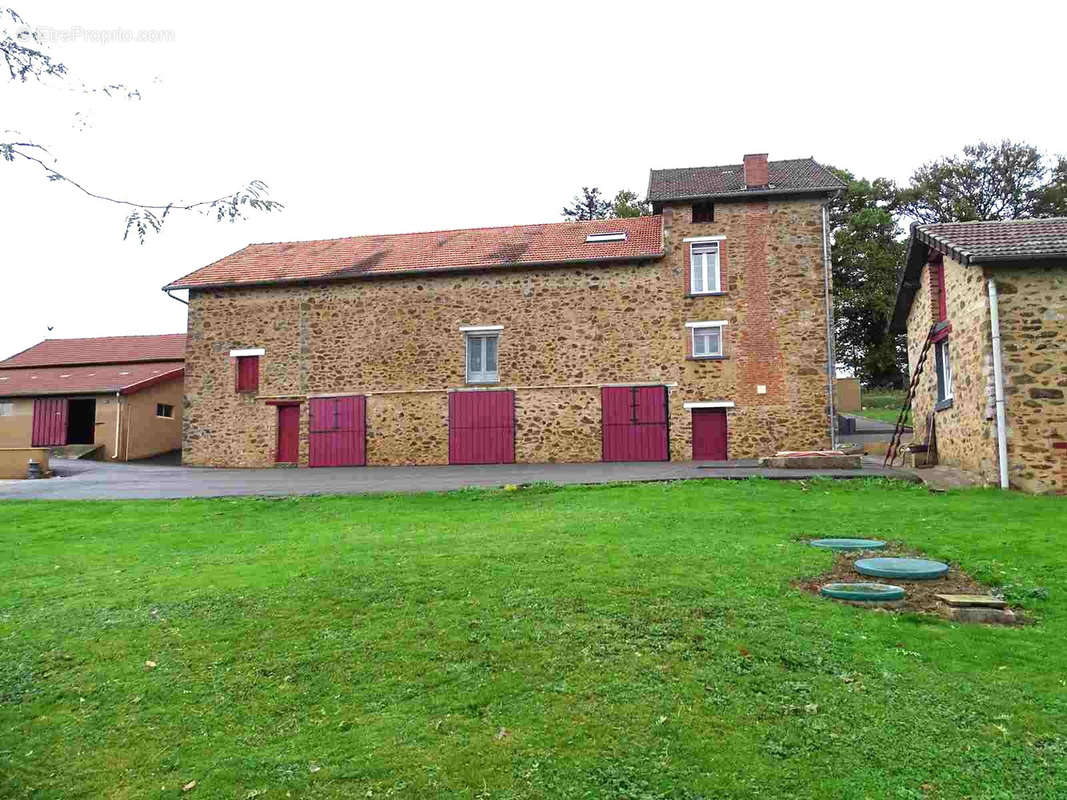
point(405, 273)
point(831, 365)
point(998, 383)
point(172, 297)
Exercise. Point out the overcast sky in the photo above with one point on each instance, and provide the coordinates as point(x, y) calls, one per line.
point(389, 117)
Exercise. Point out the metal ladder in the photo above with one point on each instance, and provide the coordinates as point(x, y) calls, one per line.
point(893, 450)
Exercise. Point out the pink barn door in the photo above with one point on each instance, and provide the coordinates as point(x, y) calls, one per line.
point(634, 421)
point(49, 422)
point(709, 434)
point(288, 434)
point(338, 431)
point(481, 427)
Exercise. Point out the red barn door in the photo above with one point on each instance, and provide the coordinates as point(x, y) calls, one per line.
point(338, 431)
point(634, 421)
point(709, 434)
point(288, 434)
point(481, 427)
point(49, 422)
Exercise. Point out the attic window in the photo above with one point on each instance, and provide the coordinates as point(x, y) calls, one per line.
point(614, 236)
point(704, 211)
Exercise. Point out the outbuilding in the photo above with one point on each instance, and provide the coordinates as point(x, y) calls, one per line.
point(116, 398)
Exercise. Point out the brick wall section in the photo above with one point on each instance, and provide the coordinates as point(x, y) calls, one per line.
point(758, 356)
point(567, 330)
point(1033, 322)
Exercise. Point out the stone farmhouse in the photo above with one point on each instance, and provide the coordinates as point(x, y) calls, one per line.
point(990, 298)
point(117, 397)
point(700, 332)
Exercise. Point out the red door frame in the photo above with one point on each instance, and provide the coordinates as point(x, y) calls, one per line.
point(481, 427)
point(287, 450)
point(635, 423)
point(49, 422)
point(337, 431)
point(710, 434)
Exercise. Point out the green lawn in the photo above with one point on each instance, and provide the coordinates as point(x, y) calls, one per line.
point(883, 404)
point(607, 642)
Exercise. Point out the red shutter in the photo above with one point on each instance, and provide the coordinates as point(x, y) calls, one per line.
point(722, 266)
point(942, 301)
point(247, 373)
point(688, 268)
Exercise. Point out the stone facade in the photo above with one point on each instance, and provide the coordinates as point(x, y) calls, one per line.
point(567, 331)
point(1033, 322)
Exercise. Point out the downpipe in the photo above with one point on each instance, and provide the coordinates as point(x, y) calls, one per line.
point(998, 385)
point(831, 366)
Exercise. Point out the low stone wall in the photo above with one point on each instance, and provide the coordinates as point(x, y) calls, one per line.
point(14, 461)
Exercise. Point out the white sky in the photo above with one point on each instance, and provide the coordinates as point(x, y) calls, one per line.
point(390, 117)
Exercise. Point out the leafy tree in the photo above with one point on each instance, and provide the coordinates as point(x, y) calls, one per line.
point(587, 204)
point(27, 61)
point(866, 254)
point(987, 182)
point(590, 204)
point(627, 204)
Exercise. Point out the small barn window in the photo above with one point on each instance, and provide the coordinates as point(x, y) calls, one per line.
point(482, 357)
point(247, 373)
point(704, 211)
point(164, 410)
point(706, 341)
point(944, 371)
point(7, 409)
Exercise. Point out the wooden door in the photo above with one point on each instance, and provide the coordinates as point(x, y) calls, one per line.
point(709, 434)
point(337, 428)
point(634, 423)
point(49, 422)
point(481, 427)
point(288, 434)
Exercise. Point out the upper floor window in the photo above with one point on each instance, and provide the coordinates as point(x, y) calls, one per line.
point(247, 371)
point(704, 211)
point(482, 345)
point(944, 371)
point(165, 410)
point(7, 409)
point(706, 339)
point(704, 267)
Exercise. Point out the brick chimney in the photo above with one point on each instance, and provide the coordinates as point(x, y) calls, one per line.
point(756, 173)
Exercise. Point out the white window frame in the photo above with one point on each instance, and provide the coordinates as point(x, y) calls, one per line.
point(695, 326)
point(251, 351)
point(709, 404)
point(701, 269)
point(481, 333)
point(943, 359)
point(7, 408)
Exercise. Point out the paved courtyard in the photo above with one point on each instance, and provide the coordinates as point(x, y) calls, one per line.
point(95, 480)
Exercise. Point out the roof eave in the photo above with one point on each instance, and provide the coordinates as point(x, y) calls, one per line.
point(405, 273)
point(815, 191)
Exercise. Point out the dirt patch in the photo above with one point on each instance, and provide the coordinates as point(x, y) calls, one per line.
point(919, 595)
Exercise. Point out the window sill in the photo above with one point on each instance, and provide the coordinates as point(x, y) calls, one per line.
point(941, 405)
point(705, 358)
point(482, 383)
point(704, 294)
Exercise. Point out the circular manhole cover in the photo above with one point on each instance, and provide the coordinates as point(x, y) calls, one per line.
point(912, 569)
point(870, 592)
point(849, 544)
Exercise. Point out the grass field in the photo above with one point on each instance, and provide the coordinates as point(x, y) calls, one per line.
point(584, 642)
point(883, 404)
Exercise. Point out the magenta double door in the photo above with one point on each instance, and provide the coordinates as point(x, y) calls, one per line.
point(634, 423)
point(337, 428)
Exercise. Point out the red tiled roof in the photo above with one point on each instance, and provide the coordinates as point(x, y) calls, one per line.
point(104, 350)
point(474, 248)
point(125, 378)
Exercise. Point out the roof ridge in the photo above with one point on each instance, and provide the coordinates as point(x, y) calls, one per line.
point(97, 338)
point(995, 221)
point(727, 166)
point(448, 230)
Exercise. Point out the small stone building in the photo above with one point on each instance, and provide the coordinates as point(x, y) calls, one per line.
point(122, 394)
point(699, 332)
point(944, 296)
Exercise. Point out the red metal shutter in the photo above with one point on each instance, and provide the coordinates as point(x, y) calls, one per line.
point(247, 373)
point(337, 427)
point(709, 434)
point(481, 427)
point(49, 422)
point(634, 422)
point(288, 434)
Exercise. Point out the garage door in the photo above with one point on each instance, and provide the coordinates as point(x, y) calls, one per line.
point(709, 434)
point(49, 422)
point(634, 420)
point(481, 427)
point(337, 428)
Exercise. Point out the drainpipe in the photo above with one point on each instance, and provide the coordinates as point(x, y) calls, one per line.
point(172, 297)
point(998, 384)
point(118, 420)
point(830, 365)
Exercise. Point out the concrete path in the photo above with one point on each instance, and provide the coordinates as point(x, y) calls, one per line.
point(95, 480)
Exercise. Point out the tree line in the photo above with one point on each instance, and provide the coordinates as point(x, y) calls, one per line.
point(1006, 180)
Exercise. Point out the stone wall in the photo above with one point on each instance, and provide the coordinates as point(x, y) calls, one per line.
point(566, 332)
point(1033, 322)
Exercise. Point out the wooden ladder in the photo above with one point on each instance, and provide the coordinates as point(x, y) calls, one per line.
point(893, 450)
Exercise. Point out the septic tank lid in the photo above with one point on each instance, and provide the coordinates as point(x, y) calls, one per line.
point(913, 569)
point(849, 544)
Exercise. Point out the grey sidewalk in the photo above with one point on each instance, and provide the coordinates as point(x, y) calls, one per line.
point(94, 480)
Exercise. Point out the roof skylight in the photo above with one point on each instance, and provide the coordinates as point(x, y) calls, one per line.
point(612, 236)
